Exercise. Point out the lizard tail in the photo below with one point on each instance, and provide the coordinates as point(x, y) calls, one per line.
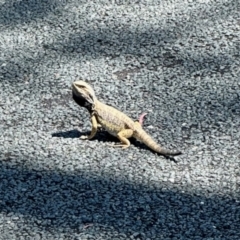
point(142, 136)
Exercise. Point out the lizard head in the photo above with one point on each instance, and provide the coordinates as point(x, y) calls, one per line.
point(83, 94)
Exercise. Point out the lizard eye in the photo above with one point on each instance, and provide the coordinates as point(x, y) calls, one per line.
point(82, 87)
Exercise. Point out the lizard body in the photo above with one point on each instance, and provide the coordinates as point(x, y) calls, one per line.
point(113, 121)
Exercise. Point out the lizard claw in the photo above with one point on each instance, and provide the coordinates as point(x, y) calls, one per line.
point(83, 137)
point(118, 145)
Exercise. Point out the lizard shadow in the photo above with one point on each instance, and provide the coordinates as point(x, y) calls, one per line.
point(101, 135)
point(104, 136)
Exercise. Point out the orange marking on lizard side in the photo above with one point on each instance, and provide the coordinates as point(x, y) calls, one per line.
point(141, 117)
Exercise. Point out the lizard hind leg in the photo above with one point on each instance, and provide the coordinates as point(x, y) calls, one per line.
point(123, 137)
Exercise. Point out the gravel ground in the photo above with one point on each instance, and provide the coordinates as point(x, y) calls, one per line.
point(178, 61)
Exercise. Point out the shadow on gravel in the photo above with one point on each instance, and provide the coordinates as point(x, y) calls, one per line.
point(146, 47)
point(14, 12)
point(82, 202)
point(103, 136)
point(69, 134)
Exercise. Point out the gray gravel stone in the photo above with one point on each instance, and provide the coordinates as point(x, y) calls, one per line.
point(176, 60)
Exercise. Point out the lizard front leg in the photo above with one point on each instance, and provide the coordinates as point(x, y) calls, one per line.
point(123, 137)
point(94, 128)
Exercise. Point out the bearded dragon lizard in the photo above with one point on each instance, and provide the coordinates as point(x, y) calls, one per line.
point(113, 121)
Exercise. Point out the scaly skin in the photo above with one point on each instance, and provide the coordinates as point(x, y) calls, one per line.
point(113, 121)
